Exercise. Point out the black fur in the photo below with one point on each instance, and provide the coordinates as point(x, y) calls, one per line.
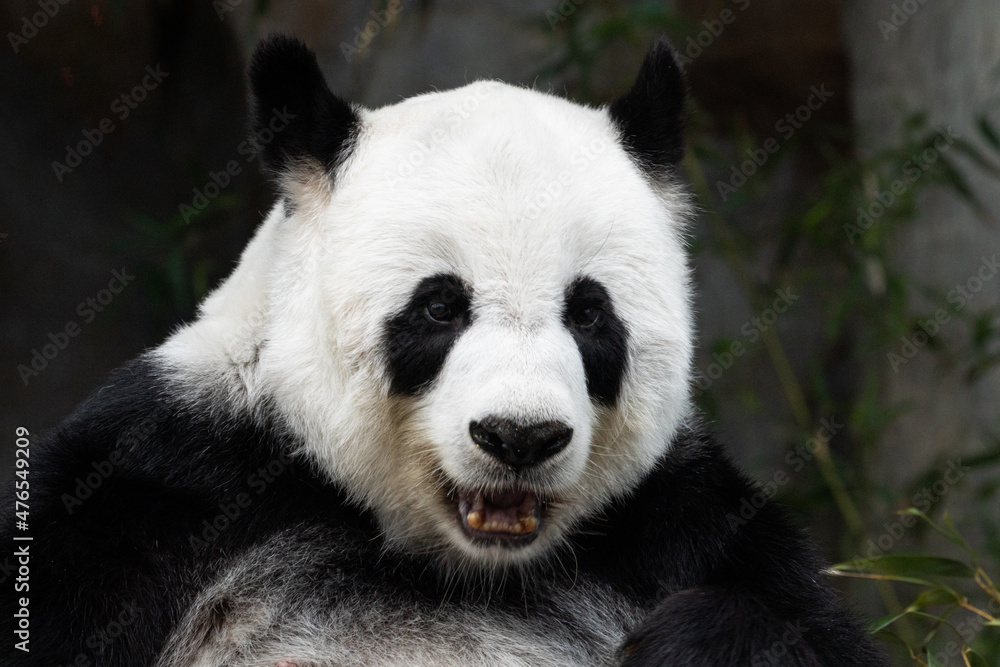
point(650, 116)
point(603, 344)
point(415, 345)
point(287, 83)
point(720, 589)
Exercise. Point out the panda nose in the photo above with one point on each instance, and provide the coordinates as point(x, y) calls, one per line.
point(520, 445)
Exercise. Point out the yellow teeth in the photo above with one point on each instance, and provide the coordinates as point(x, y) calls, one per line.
point(477, 521)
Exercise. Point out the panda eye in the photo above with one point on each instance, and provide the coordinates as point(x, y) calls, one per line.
point(439, 312)
point(587, 317)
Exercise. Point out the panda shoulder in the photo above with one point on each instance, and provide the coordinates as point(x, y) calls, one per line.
point(137, 425)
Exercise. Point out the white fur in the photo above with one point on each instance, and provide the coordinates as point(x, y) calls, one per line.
point(376, 633)
point(517, 192)
point(277, 610)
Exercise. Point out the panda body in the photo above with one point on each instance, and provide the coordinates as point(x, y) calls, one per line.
point(438, 415)
point(353, 618)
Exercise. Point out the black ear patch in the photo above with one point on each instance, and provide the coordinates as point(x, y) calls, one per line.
point(650, 116)
point(295, 116)
point(418, 338)
point(601, 336)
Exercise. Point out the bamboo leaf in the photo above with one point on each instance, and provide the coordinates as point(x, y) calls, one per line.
point(880, 577)
point(880, 624)
point(908, 566)
point(950, 525)
point(947, 531)
point(936, 596)
point(973, 659)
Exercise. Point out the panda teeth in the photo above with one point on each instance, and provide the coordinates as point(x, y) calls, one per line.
point(477, 517)
point(525, 524)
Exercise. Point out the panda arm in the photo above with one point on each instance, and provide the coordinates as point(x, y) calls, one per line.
point(98, 593)
point(724, 588)
point(116, 493)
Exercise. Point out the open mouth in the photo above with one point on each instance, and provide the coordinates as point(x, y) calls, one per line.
point(508, 518)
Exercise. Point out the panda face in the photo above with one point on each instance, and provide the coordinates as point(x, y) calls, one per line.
point(477, 312)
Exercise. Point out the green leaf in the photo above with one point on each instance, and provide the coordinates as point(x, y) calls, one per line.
point(907, 567)
point(975, 660)
point(948, 530)
point(956, 538)
point(880, 624)
point(938, 623)
point(933, 597)
point(936, 596)
point(887, 577)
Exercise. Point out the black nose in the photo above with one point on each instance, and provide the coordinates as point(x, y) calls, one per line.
point(520, 445)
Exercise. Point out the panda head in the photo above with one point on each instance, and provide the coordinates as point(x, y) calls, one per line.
point(471, 306)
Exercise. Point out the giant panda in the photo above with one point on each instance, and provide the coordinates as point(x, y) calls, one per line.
point(439, 414)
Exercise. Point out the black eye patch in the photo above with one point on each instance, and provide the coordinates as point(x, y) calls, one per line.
point(418, 338)
point(601, 336)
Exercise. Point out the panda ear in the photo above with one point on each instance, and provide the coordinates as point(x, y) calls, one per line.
point(650, 116)
point(296, 119)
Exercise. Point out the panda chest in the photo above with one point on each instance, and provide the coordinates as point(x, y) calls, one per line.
point(583, 630)
point(582, 626)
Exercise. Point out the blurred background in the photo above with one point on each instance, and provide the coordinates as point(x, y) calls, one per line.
point(845, 157)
